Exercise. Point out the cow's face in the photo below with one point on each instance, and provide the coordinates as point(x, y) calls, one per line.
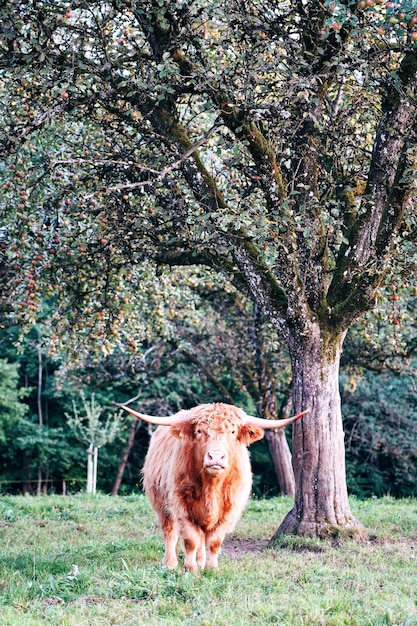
point(215, 437)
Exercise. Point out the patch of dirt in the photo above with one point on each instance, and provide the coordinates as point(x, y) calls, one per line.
point(52, 601)
point(90, 600)
point(238, 548)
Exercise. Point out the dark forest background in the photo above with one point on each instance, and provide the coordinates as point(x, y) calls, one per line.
point(40, 395)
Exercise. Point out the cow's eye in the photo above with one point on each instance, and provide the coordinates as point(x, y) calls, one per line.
point(233, 432)
point(198, 431)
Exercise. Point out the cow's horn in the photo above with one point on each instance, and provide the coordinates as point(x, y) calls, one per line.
point(171, 420)
point(265, 423)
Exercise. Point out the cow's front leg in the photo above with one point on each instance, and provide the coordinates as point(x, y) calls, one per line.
point(194, 546)
point(170, 532)
point(201, 554)
point(214, 541)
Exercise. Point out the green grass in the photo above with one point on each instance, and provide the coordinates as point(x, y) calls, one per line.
point(95, 561)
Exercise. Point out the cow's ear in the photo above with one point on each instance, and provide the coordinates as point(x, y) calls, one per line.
point(248, 434)
point(181, 430)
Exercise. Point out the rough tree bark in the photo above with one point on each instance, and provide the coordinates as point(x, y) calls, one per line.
point(321, 505)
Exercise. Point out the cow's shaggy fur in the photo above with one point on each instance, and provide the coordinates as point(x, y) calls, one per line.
point(198, 478)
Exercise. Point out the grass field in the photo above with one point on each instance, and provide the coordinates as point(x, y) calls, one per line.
point(80, 560)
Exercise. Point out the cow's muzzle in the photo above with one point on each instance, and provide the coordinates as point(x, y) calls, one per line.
point(215, 461)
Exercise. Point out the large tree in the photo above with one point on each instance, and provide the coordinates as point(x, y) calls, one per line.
point(273, 141)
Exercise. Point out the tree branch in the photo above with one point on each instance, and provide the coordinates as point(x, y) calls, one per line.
point(360, 264)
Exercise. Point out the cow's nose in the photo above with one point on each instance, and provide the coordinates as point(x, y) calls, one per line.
point(215, 457)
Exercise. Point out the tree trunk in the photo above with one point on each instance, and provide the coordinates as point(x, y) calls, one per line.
point(321, 507)
point(122, 466)
point(281, 456)
point(276, 439)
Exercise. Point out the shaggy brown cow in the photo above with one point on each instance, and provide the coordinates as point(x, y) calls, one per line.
point(198, 478)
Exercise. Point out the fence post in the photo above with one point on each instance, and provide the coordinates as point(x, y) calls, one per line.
point(90, 470)
point(95, 469)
